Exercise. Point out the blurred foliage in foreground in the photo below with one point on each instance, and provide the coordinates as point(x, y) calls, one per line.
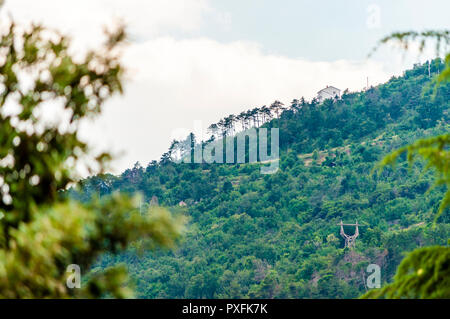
point(253, 235)
point(41, 233)
point(425, 272)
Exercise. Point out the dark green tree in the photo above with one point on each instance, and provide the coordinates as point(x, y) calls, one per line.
point(42, 231)
point(425, 272)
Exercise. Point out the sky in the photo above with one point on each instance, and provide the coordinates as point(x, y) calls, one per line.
point(196, 61)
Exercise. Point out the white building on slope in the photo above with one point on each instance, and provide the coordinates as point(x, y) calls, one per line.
point(330, 92)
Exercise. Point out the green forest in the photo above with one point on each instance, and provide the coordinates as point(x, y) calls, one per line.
point(253, 235)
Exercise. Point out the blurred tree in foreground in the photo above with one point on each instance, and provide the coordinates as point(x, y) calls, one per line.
point(41, 233)
point(425, 272)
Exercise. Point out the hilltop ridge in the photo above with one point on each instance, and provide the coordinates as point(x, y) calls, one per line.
point(275, 236)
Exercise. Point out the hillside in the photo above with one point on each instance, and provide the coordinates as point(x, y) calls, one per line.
point(276, 236)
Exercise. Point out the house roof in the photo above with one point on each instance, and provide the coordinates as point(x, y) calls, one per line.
point(329, 87)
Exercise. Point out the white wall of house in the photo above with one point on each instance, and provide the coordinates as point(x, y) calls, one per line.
point(330, 92)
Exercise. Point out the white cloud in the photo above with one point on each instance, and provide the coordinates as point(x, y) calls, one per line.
point(84, 19)
point(173, 82)
point(176, 82)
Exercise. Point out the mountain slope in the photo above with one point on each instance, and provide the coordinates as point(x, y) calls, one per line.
point(276, 236)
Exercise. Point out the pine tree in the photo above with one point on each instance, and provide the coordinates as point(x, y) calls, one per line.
point(425, 272)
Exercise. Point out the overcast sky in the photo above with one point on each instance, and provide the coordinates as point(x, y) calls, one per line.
point(200, 60)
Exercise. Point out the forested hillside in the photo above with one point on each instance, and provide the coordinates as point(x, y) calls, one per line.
point(276, 235)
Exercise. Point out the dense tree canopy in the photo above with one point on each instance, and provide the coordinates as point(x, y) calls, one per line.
point(41, 231)
point(249, 234)
point(273, 236)
point(425, 272)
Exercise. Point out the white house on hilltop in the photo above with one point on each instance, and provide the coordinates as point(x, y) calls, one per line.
point(330, 92)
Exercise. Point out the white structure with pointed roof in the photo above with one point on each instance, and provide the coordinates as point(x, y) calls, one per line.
point(330, 92)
